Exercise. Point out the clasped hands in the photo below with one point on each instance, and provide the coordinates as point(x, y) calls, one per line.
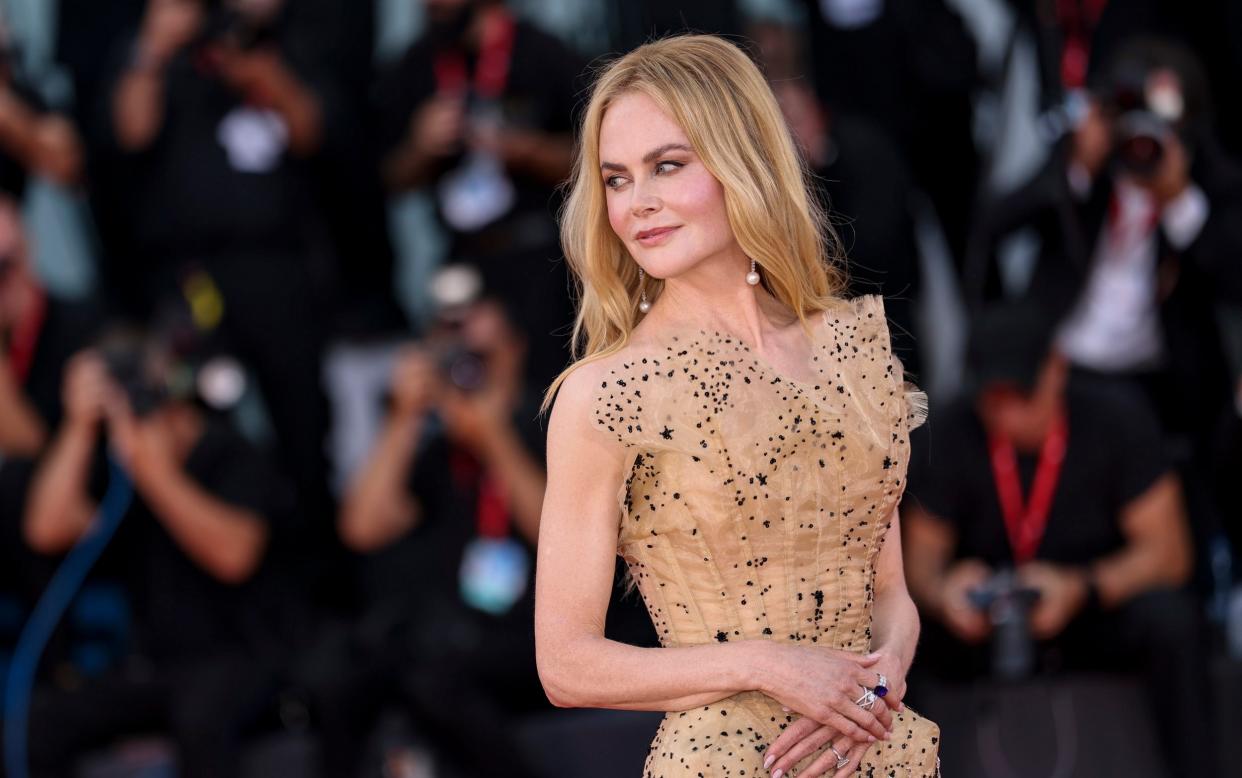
point(826, 693)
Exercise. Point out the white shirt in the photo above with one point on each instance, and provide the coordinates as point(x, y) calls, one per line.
point(1115, 327)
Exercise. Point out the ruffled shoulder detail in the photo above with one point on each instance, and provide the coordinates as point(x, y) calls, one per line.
point(916, 405)
point(869, 310)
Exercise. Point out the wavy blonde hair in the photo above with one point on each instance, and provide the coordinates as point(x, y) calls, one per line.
point(717, 95)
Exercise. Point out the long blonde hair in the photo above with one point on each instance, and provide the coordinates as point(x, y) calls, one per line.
point(721, 101)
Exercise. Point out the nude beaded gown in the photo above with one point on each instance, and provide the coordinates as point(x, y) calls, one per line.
point(755, 508)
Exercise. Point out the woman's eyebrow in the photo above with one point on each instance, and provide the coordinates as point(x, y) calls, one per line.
point(649, 156)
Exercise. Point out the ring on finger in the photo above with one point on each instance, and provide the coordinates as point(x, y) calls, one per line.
point(842, 761)
point(867, 700)
point(881, 688)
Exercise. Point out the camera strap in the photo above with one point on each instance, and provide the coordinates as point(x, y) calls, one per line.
point(26, 338)
point(1026, 520)
point(491, 72)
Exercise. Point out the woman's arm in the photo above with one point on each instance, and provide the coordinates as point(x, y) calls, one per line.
point(894, 619)
point(579, 667)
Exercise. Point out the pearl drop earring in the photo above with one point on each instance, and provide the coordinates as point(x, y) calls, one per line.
point(643, 305)
point(752, 277)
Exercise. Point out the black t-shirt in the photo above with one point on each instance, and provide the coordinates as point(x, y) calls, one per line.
point(544, 87)
point(218, 176)
point(181, 609)
point(1113, 455)
point(423, 566)
point(68, 327)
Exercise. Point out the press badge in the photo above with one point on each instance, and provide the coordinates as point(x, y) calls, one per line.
point(494, 573)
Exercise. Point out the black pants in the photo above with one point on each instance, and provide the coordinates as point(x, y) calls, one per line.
point(205, 704)
point(1158, 635)
point(461, 676)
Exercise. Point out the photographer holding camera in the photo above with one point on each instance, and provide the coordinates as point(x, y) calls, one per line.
point(1053, 505)
point(480, 111)
point(197, 550)
point(445, 513)
point(217, 112)
point(1135, 217)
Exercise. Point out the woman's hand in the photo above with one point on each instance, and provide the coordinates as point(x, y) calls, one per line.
point(824, 685)
point(894, 670)
point(806, 736)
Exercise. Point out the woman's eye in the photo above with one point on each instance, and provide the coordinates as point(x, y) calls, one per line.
point(667, 166)
point(612, 182)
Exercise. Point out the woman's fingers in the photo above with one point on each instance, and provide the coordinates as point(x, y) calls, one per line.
point(799, 750)
point(855, 723)
point(791, 736)
point(854, 755)
point(864, 718)
point(826, 763)
point(884, 715)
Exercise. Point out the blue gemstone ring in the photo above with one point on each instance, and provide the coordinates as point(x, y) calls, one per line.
point(881, 688)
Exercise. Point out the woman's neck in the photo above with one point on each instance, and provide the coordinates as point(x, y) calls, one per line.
point(715, 297)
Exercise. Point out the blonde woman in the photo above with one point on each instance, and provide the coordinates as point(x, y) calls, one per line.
point(736, 431)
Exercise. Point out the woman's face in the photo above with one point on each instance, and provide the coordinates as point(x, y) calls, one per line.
point(663, 204)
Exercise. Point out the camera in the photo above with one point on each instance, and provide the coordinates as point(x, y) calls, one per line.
point(176, 359)
point(1008, 606)
point(1149, 106)
point(127, 358)
point(454, 289)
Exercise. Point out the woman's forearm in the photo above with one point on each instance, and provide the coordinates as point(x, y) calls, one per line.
point(595, 672)
point(895, 625)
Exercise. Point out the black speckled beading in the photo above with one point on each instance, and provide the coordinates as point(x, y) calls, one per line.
point(755, 507)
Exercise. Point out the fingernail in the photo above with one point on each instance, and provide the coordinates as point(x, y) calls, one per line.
point(768, 762)
point(784, 708)
point(777, 773)
point(870, 738)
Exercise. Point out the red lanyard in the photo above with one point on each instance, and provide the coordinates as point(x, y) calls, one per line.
point(26, 338)
point(491, 73)
point(491, 508)
point(1025, 523)
point(1078, 19)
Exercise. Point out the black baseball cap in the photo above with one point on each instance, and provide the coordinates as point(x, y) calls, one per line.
point(1008, 344)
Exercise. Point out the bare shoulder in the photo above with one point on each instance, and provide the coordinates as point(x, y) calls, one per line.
point(573, 411)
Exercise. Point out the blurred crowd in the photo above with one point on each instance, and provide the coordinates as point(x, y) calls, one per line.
point(336, 489)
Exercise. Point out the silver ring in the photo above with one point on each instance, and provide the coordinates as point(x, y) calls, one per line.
point(867, 700)
point(883, 680)
point(842, 761)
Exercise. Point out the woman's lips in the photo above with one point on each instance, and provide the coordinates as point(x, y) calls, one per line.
point(655, 237)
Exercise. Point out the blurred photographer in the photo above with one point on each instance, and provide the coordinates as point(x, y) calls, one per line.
point(1054, 503)
point(197, 551)
point(216, 112)
point(33, 139)
point(445, 512)
point(1135, 221)
point(480, 111)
